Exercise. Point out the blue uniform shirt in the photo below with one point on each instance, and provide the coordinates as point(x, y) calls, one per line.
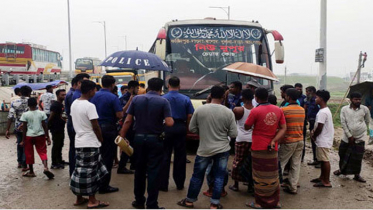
point(68, 102)
point(124, 99)
point(302, 100)
point(234, 101)
point(180, 104)
point(150, 110)
point(312, 109)
point(107, 105)
point(77, 93)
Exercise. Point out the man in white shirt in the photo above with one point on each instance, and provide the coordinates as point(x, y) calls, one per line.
point(89, 168)
point(323, 135)
point(355, 120)
point(47, 100)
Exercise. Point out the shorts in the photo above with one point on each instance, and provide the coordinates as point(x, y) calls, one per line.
point(322, 154)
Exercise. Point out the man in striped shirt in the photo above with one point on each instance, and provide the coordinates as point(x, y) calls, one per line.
point(291, 145)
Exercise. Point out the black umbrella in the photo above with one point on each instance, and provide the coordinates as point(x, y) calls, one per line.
point(363, 88)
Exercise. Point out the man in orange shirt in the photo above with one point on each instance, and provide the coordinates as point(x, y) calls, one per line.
point(291, 145)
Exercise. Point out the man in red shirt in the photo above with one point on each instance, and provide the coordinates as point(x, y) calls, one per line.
point(269, 127)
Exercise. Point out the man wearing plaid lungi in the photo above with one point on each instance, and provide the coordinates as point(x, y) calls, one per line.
point(89, 168)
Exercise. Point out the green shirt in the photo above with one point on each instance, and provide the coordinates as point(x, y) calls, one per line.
point(33, 120)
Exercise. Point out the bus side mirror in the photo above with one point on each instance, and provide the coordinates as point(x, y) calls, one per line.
point(160, 48)
point(279, 52)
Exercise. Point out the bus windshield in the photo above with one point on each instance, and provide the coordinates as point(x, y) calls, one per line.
point(123, 79)
point(197, 53)
point(84, 64)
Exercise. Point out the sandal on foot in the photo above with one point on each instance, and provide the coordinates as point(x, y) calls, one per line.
point(233, 188)
point(360, 179)
point(25, 169)
point(99, 205)
point(320, 184)
point(317, 180)
point(279, 206)
point(216, 206)
point(207, 193)
point(223, 194)
point(337, 172)
point(184, 204)
point(28, 174)
point(252, 205)
point(49, 174)
point(84, 201)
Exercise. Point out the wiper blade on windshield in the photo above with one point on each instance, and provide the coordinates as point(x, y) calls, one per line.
point(203, 91)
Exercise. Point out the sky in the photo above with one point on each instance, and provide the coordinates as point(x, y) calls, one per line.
point(45, 22)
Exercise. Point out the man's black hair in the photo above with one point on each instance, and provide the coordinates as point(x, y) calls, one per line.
point(285, 87)
point(107, 81)
point(355, 95)
point(17, 91)
point(311, 88)
point(155, 84)
point(292, 93)
point(247, 94)
point(98, 87)
point(48, 87)
point(123, 87)
point(298, 85)
point(324, 94)
point(272, 99)
point(174, 81)
point(32, 102)
point(59, 91)
point(74, 81)
point(25, 90)
point(81, 76)
point(132, 84)
point(217, 92)
point(87, 85)
point(237, 84)
point(261, 94)
point(142, 85)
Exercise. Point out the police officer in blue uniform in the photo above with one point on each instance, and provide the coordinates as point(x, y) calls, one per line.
point(175, 136)
point(150, 110)
point(71, 96)
point(109, 112)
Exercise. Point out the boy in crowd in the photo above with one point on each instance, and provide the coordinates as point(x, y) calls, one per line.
point(323, 135)
point(56, 124)
point(89, 168)
point(47, 99)
point(35, 132)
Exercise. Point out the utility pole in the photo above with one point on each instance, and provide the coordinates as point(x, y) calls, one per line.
point(361, 64)
point(70, 59)
point(323, 27)
point(359, 67)
point(104, 24)
point(285, 76)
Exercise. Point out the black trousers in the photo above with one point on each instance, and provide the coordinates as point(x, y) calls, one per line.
point(58, 141)
point(175, 140)
point(149, 155)
point(72, 158)
point(108, 151)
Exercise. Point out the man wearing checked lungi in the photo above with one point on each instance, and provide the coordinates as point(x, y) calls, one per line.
point(355, 120)
point(89, 168)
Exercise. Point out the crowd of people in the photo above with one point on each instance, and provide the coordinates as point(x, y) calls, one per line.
point(268, 141)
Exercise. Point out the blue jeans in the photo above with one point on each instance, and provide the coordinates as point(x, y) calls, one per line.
point(219, 169)
point(21, 157)
point(72, 155)
point(210, 176)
